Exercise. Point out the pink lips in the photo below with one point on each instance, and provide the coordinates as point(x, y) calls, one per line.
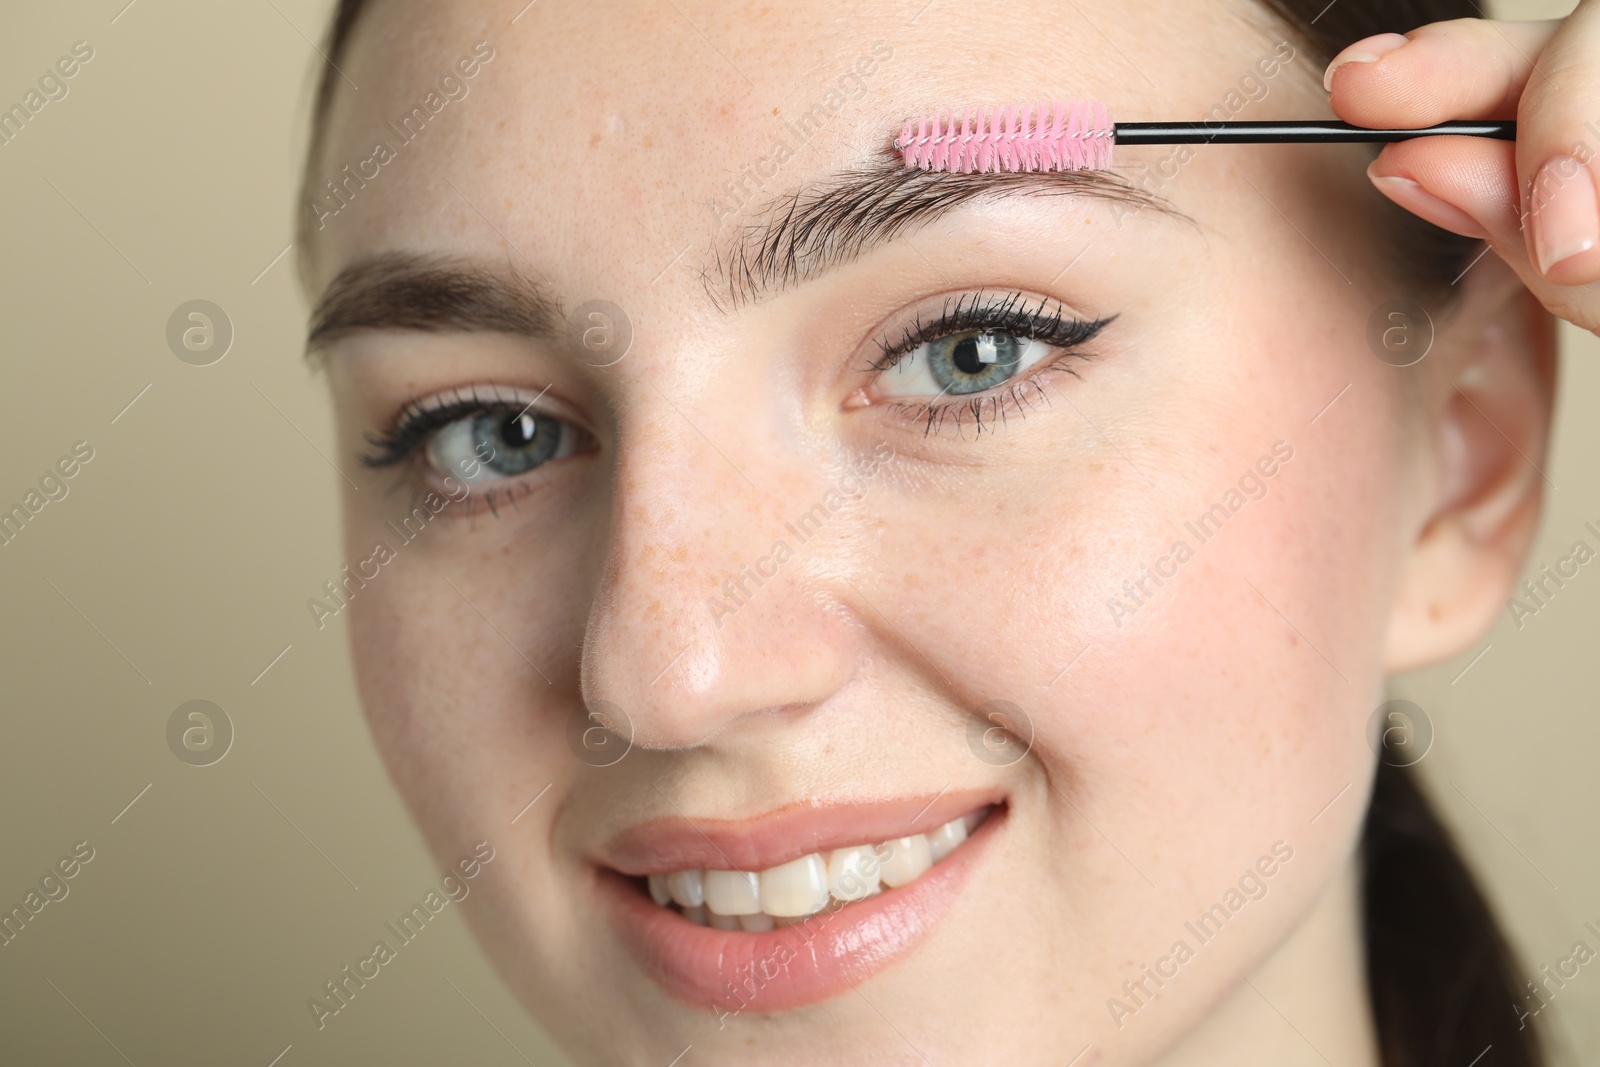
point(730, 972)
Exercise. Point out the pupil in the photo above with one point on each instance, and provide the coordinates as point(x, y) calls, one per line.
point(965, 356)
point(519, 430)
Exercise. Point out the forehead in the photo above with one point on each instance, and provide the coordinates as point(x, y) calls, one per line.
point(641, 131)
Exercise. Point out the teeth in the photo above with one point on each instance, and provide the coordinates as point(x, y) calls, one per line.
point(733, 892)
point(796, 888)
point(853, 873)
point(686, 888)
point(904, 859)
point(788, 893)
point(658, 889)
point(944, 840)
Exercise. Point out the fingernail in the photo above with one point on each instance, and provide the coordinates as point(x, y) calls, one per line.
point(1369, 51)
point(1566, 217)
point(1417, 200)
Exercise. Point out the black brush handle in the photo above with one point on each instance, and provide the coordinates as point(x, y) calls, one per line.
point(1132, 133)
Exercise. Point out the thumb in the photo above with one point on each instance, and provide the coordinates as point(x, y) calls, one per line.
point(1558, 139)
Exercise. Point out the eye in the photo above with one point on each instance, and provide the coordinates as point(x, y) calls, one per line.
point(969, 362)
point(976, 358)
point(486, 434)
point(493, 445)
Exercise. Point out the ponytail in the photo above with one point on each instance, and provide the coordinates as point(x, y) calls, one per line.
point(1439, 972)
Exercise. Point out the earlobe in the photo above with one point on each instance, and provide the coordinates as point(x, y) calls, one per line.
point(1490, 423)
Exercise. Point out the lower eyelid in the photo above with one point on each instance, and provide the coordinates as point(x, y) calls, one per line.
point(573, 441)
point(988, 410)
point(500, 493)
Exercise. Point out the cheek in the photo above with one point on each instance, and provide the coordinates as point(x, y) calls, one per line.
point(1224, 705)
point(448, 641)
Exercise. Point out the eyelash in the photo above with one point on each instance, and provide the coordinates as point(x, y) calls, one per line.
point(418, 420)
point(972, 312)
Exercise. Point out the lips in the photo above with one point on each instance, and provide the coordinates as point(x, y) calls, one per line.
point(814, 899)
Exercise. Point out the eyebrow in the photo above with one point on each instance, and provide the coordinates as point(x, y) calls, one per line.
point(432, 294)
point(816, 228)
point(788, 240)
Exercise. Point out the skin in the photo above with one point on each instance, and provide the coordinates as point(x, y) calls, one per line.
point(1172, 746)
point(1540, 73)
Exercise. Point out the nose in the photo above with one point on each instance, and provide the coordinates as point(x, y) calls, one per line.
point(713, 606)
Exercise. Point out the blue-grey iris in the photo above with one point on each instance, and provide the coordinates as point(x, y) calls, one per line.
point(975, 361)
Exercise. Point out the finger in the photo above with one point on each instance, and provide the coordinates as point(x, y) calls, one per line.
point(1466, 185)
point(1469, 185)
point(1464, 69)
point(1558, 137)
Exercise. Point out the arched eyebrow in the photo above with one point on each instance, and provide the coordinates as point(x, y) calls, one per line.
point(791, 238)
point(818, 227)
point(433, 294)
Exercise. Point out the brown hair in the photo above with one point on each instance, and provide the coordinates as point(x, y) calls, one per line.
point(1440, 976)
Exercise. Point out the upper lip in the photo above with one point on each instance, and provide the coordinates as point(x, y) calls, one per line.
point(680, 842)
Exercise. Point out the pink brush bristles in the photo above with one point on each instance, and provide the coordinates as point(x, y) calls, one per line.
point(1075, 136)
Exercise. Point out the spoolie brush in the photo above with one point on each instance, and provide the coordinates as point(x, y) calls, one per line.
point(1079, 136)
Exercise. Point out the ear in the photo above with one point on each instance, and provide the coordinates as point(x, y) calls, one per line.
point(1488, 401)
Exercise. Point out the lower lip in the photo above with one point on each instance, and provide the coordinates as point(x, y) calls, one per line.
point(790, 967)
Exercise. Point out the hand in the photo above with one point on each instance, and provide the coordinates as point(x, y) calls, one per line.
point(1537, 202)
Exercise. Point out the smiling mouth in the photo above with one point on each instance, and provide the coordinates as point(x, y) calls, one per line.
point(758, 901)
point(795, 906)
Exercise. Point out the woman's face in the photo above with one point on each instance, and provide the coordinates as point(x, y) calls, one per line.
point(1158, 536)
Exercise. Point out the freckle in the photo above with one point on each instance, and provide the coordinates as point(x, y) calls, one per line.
point(648, 143)
point(594, 139)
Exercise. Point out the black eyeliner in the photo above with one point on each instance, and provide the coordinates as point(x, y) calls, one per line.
point(1008, 313)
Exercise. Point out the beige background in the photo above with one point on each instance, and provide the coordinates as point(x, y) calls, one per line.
point(183, 555)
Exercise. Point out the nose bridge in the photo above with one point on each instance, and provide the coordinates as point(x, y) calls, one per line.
point(704, 614)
